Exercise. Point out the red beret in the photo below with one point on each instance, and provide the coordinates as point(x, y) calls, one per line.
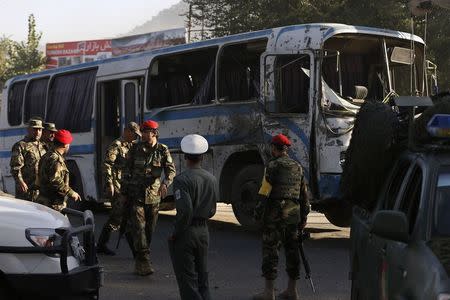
point(63, 136)
point(149, 124)
point(281, 139)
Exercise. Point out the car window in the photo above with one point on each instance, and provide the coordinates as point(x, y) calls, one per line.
point(396, 180)
point(410, 200)
point(442, 204)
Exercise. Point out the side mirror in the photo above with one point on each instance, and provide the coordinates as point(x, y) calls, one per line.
point(392, 225)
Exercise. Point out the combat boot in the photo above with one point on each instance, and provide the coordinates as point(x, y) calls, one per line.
point(291, 292)
point(268, 293)
point(143, 267)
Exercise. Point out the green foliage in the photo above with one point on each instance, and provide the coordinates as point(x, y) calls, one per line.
point(224, 17)
point(17, 58)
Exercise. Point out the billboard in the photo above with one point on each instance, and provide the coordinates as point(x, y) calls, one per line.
point(72, 53)
point(148, 41)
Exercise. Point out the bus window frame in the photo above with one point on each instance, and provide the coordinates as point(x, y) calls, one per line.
point(264, 95)
point(219, 56)
point(46, 95)
point(10, 87)
point(146, 101)
point(94, 92)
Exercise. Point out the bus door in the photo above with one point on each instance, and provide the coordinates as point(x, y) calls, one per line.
point(130, 106)
point(288, 105)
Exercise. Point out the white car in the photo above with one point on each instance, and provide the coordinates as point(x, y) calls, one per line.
point(42, 256)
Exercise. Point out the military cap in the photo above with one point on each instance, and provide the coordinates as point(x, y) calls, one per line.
point(134, 127)
point(149, 125)
point(35, 123)
point(63, 136)
point(50, 127)
point(281, 139)
point(194, 144)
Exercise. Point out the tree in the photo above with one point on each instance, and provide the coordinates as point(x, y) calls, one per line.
point(21, 58)
point(224, 17)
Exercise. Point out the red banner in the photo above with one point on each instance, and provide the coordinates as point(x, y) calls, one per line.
point(78, 48)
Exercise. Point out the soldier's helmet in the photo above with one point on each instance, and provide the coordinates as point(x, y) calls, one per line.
point(194, 144)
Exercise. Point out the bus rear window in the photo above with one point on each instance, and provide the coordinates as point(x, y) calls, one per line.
point(70, 101)
point(15, 101)
point(35, 99)
point(442, 204)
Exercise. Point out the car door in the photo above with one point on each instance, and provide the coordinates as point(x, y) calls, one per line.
point(400, 257)
point(372, 247)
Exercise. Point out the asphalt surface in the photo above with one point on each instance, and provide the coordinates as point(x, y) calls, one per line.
point(234, 262)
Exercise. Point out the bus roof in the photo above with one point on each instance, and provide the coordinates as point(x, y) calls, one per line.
point(330, 30)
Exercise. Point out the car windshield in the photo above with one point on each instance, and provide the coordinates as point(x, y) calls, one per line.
point(442, 206)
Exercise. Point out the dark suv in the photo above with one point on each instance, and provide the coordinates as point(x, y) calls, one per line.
point(401, 250)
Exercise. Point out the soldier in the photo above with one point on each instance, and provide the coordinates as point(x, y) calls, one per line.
point(25, 158)
point(48, 135)
point(142, 185)
point(113, 165)
point(53, 175)
point(196, 194)
point(284, 204)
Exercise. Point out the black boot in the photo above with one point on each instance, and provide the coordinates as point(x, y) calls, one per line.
point(103, 240)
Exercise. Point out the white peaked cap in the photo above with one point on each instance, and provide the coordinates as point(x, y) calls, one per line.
point(194, 144)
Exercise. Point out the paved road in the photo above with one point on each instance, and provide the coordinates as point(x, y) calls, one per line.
point(235, 258)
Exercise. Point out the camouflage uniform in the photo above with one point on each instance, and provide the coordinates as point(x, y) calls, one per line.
point(113, 165)
point(142, 180)
point(53, 181)
point(286, 207)
point(24, 162)
point(47, 145)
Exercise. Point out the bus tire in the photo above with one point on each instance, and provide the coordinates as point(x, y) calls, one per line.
point(244, 192)
point(370, 154)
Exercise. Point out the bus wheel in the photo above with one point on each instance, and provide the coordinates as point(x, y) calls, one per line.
point(244, 192)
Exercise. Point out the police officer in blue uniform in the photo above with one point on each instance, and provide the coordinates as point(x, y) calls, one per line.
point(196, 194)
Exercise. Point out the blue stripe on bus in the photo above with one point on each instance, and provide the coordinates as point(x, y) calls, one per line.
point(81, 149)
point(292, 126)
point(74, 150)
point(212, 140)
point(13, 132)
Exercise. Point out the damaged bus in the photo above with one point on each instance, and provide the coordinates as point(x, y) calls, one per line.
point(305, 81)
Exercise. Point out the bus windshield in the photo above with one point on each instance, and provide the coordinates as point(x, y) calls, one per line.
point(356, 67)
